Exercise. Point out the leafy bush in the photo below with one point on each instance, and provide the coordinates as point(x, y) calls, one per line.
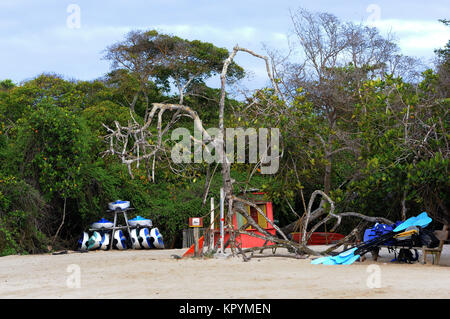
point(22, 215)
point(54, 144)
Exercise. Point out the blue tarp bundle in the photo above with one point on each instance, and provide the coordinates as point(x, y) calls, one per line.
point(380, 229)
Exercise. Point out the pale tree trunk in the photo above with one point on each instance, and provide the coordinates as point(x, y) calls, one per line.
point(328, 168)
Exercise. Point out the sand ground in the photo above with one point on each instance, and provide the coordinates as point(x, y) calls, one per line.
point(155, 274)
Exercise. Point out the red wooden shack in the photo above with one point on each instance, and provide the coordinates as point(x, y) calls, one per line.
point(247, 241)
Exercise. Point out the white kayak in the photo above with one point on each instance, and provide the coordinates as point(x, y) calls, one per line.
point(139, 221)
point(120, 242)
point(94, 241)
point(135, 242)
point(144, 234)
point(102, 224)
point(157, 238)
point(119, 204)
point(104, 243)
point(83, 241)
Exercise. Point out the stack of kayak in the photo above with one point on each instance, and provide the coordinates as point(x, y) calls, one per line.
point(397, 232)
point(100, 238)
point(142, 234)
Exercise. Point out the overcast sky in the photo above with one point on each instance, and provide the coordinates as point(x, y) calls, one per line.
point(56, 36)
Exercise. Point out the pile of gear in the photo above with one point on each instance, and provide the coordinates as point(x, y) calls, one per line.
point(404, 235)
point(412, 236)
point(141, 234)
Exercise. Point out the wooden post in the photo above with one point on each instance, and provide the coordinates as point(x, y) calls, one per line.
point(222, 204)
point(185, 238)
point(113, 231)
point(211, 235)
point(196, 223)
point(196, 252)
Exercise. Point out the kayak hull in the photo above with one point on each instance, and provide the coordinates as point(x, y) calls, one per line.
point(119, 204)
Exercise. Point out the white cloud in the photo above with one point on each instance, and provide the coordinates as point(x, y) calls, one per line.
point(78, 52)
point(53, 47)
point(8, 23)
point(416, 35)
point(209, 33)
point(10, 3)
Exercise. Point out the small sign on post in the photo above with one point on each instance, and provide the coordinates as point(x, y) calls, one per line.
point(196, 223)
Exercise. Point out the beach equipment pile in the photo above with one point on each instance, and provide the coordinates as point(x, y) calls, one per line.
point(400, 231)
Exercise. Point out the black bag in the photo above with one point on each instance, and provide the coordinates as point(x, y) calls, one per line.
point(428, 239)
point(406, 256)
point(410, 241)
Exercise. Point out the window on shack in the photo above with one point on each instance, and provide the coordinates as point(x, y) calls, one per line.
point(257, 217)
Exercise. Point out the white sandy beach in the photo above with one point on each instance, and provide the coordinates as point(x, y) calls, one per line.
point(155, 274)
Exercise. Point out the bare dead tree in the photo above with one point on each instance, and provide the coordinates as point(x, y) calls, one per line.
point(137, 142)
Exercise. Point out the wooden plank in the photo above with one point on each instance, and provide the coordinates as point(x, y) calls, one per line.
point(196, 246)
